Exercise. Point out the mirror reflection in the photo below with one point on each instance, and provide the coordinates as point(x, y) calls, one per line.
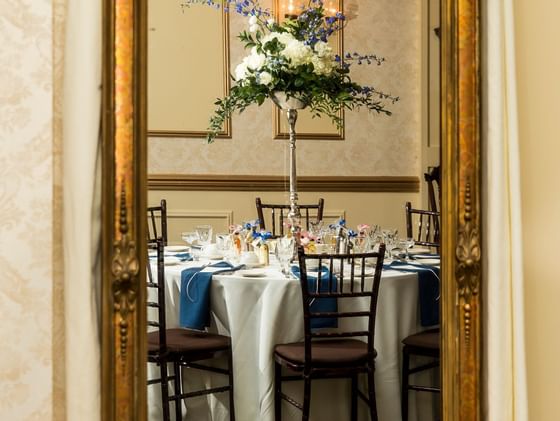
point(293, 268)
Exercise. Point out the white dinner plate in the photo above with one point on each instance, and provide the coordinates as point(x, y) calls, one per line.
point(176, 249)
point(171, 261)
point(252, 273)
point(212, 256)
point(419, 250)
point(253, 265)
point(429, 261)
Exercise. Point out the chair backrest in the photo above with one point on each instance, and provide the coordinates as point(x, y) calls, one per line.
point(427, 226)
point(156, 294)
point(348, 277)
point(279, 213)
point(433, 178)
point(157, 229)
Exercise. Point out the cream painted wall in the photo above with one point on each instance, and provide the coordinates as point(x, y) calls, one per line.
point(538, 66)
point(374, 146)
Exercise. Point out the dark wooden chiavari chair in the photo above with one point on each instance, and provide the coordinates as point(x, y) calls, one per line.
point(425, 344)
point(333, 354)
point(279, 213)
point(180, 347)
point(433, 179)
point(157, 229)
point(427, 224)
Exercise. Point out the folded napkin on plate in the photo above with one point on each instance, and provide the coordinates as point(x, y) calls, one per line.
point(321, 305)
point(194, 305)
point(428, 289)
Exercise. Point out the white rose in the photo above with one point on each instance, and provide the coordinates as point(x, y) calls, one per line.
point(255, 60)
point(253, 20)
point(241, 71)
point(265, 78)
point(253, 28)
point(283, 37)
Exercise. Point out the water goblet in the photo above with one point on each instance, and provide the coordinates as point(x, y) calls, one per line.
point(315, 228)
point(285, 252)
point(204, 233)
point(389, 238)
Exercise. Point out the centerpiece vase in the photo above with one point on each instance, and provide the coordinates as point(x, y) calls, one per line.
point(291, 105)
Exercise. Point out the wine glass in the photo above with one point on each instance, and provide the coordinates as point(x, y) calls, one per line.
point(285, 252)
point(315, 228)
point(204, 233)
point(389, 238)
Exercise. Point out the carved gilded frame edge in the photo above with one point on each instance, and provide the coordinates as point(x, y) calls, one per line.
point(124, 196)
point(124, 170)
point(461, 242)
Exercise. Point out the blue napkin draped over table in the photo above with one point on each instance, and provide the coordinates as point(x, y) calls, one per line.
point(321, 305)
point(194, 305)
point(183, 257)
point(428, 288)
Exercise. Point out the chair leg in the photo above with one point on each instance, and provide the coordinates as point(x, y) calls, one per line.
point(277, 392)
point(404, 384)
point(231, 396)
point(371, 392)
point(178, 390)
point(354, 398)
point(306, 397)
point(164, 391)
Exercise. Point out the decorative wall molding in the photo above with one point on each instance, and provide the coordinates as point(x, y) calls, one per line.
point(201, 214)
point(398, 184)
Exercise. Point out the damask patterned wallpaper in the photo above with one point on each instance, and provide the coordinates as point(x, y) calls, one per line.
point(374, 145)
point(26, 206)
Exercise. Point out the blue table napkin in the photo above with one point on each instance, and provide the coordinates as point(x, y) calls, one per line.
point(321, 304)
point(183, 257)
point(194, 305)
point(428, 289)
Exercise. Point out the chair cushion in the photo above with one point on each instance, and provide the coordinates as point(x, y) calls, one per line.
point(187, 341)
point(328, 353)
point(429, 339)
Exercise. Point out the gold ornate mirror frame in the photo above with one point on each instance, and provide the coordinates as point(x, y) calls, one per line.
point(124, 203)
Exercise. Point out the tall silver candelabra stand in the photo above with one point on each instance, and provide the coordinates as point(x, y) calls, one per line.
point(291, 106)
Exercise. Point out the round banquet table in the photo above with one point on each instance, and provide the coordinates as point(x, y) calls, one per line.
point(260, 312)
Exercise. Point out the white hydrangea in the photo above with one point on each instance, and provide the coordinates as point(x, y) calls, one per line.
point(322, 65)
point(298, 53)
point(265, 78)
point(323, 49)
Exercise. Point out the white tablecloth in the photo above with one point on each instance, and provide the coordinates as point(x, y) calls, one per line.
point(259, 313)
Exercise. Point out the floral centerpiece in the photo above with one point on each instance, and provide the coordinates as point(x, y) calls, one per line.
point(294, 57)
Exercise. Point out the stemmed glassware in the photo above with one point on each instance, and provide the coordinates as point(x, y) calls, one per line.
point(285, 252)
point(390, 239)
point(191, 237)
point(204, 233)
